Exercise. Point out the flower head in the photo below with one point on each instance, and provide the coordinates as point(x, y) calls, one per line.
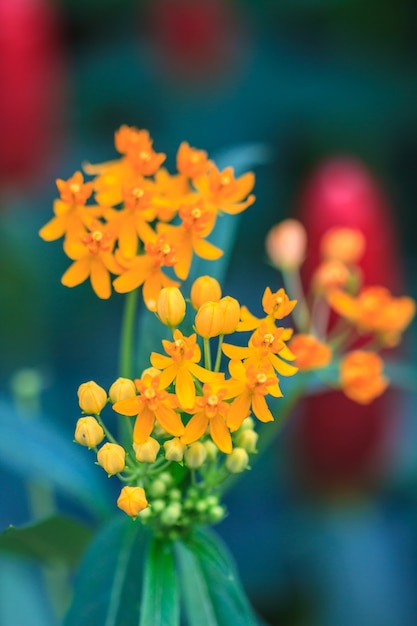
point(310, 353)
point(361, 376)
point(210, 411)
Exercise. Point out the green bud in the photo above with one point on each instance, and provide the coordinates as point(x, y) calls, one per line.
point(171, 514)
point(216, 514)
point(174, 494)
point(247, 439)
point(211, 449)
point(195, 455)
point(157, 506)
point(247, 424)
point(212, 500)
point(166, 478)
point(201, 506)
point(237, 461)
point(157, 488)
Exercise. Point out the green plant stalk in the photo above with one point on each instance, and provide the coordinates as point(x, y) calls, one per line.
point(127, 342)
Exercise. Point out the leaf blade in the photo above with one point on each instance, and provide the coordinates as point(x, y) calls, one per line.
point(160, 591)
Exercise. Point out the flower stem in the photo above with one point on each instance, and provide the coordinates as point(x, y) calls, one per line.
point(207, 354)
point(127, 342)
point(219, 354)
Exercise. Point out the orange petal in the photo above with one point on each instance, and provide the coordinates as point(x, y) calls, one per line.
point(283, 368)
point(185, 388)
point(195, 428)
point(260, 408)
point(207, 250)
point(169, 420)
point(133, 277)
point(236, 352)
point(129, 406)
point(54, 229)
point(239, 410)
point(100, 279)
point(143, 426)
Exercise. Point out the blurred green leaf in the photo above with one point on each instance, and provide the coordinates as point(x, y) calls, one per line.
point(55, 539)
point(160, 592)
point(108, 586)
point(36, 450)
point(212, 593)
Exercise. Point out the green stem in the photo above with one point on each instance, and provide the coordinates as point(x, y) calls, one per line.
point(127, 335)
point(207, 354)
point(219, 354)
point(294, 289)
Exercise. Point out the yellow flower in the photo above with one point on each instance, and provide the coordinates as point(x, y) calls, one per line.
point(132, 500)
point(112, 458)
point(93, 258)
point(152, 403)
point(224, 192)
point(205, 289)
point(249, 385)
point(276, 305)
point(72, 217)
point(189, 237)
point(210, 412)
point(91, 397)
point(190, 161)
point(146, 270)
point(361, 376)
point(170, 306)
point(266, 346)
point(88, 432)
point(181, 366)
point(310, 353)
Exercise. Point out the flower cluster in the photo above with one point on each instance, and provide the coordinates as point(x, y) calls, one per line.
point(339, 320)
point(126, 231)
point(188, 415)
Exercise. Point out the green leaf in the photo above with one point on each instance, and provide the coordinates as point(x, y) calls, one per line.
point(52, 540)
point(38, 451)
point(212, 593)
point(160, 592)
point(109, 583)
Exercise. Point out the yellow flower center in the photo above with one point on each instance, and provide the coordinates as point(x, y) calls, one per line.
point(225, 180)
point(137, 192)
point(97, 235)
point(165, 248)
point(268, 339)
point(213, 400)
point(149, 393)
point(261, 378)
point(144, 155)
point(75, 187)
point(196, 213)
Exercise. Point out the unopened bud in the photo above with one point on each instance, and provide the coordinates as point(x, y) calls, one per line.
point(211, 449)
point(91, 397)
point(88, 432)
point(171, 514)
point(157, 488)
point(147, 451)
point(205, 289)
point(122, 389)
point(286, 244)
point(209, 321)
point(132, 500)
point(247, 439)
point(343, 244)
point(216, 514)
point(231, 311)
point(112, 458)
point(237, 461)
point(247, 424)
point(170, 306)
point(195, 455)
point(174, 450)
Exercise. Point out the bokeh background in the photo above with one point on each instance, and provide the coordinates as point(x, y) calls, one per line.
point(311, 95)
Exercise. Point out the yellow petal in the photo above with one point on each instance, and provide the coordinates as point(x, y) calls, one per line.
point(195, 428)
point(207, 250)
point(100, 279)
point(77, 273)
point(220, 434)
point(283, 368)
point(128, 239)
point(143, 426)
point(260, 408)
point(185, 388)
point(169, 420)
point(54, 229)
point(160, 361)
point(129, 406)
point(239, 410)
point(236, 352)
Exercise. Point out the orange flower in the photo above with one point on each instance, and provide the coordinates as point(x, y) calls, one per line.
point(190, 161)
point(170, 191)
point(276, 305)
point(375, 310)
point(205, 289)
point(361, 376)
point(180, 367)
point(224, 192)
point(137, 146)
point(249, 385)
point(343, 244)
point(146, 270)
point(210, 412)
point(310, 353)
point(329, 275)
point(189, 237)
point(152, 403)
point(263, 349)
point(71, 215)
point(93, 258)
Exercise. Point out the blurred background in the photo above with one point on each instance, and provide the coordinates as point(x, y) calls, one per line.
point(319, 98)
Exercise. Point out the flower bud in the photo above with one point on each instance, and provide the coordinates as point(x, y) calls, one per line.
point(231, 311)
point(248, 423)
point(211, 449)
point(330, 274)
point(195, 455)
point(237, 461)
point(157, 488)
point(209, 321)
point(132, 500)
point(247, 439)
point(88, 432)
point(174, 450)
point(112, 458)
point(216, 514)
point(148, 451)
point(170, 306)
point(205, 289)
point(171, 514)
point(151, 371)
point(91, 397)
point(286, 244)
point(122, 389)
